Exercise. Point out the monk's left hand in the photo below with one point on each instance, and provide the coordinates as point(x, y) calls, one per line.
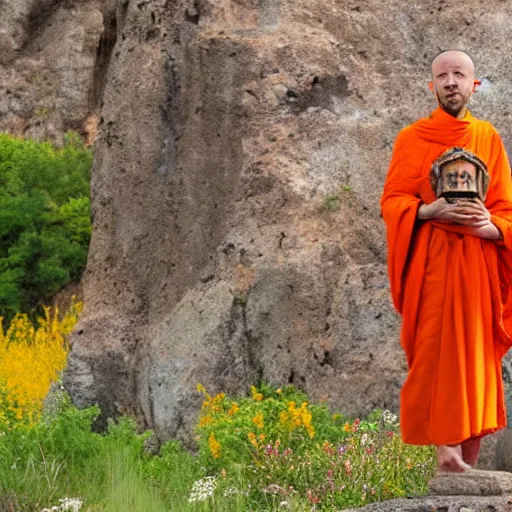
point(488, 231)
point(476, 210)
point(480, 222)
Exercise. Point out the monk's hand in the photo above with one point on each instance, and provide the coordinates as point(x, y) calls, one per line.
point(483, 226)
point(444, 211)
point(487, 230)
point(476, 210)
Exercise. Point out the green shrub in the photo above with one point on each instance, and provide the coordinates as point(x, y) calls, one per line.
point(61, 457)
point(49, 459)
point(274, 446)
point(45, 222)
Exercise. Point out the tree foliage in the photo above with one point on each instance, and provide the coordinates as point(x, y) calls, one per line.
point(45, 222)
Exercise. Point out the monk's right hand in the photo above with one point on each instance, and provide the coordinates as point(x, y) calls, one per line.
point(444, 211)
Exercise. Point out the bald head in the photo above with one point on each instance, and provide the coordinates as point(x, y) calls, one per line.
point(458, 56)
point(453, 81)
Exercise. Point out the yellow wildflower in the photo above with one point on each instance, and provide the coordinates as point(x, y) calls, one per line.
point(233, 409)
point(212, 403)
point(216, 401)
point(214, 446)
point(207, 398)
point(295, 418)
point(258, 420)
point(306, 419)
point(256, 396)
point(31, 358)
point(252, 439)
point(219, 397)
point(205, 420)
point(347, 427)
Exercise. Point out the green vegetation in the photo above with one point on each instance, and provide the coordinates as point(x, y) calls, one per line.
point(332, 202)
point(270, 451)
point(60, 457)
point(44, 219)
point(275, 447)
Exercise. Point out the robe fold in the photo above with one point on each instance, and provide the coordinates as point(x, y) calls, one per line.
point(451, 288)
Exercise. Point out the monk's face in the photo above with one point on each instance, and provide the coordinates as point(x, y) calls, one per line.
point(453, 81)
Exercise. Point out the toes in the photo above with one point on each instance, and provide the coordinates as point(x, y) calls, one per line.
point(454, 465)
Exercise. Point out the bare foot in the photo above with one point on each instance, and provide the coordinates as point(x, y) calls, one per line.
point(449, 459)
point(470, 449)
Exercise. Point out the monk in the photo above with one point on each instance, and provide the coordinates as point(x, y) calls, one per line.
point(450, 269)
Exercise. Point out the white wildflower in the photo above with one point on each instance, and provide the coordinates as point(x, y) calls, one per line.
point(66, 505)
point(202, 489)
point(389, 417)
point(365, 438)
point(71, 504)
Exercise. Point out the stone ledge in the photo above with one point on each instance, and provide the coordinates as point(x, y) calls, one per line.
point(440, 504)
point(474, 482)
point(474, 490)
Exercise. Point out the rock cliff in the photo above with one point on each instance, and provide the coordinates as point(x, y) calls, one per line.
point(241, 154)
point(47, 66)
point(242, 150)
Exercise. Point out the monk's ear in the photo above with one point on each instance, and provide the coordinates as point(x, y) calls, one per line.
point(431, 86)
point(476, 83)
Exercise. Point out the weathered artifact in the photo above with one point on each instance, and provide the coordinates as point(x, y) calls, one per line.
point(459, 173)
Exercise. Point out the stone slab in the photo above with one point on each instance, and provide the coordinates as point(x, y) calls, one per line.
point(441, 504)
point(474, 482)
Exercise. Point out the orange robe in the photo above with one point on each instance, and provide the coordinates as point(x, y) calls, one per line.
point(451, 288)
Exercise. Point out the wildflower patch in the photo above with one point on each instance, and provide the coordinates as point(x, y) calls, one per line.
point(31, 358)
point(274, 447)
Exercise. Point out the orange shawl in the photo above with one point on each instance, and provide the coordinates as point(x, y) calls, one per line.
point(451, 288)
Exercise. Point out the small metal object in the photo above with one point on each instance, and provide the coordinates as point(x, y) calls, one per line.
point(459, 173)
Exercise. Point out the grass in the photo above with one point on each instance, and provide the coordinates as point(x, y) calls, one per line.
point(272, 451)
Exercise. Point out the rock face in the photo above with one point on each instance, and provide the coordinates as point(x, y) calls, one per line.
point(242, 150)
point(47, 64)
